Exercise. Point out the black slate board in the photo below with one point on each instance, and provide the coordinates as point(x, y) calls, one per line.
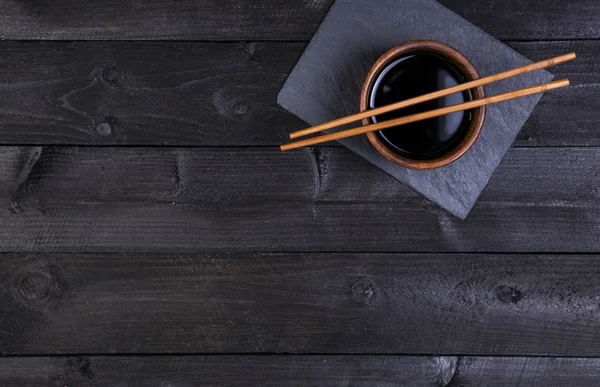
point(326, 82)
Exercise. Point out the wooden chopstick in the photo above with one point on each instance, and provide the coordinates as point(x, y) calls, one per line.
point(426, 115)
point(436, 94)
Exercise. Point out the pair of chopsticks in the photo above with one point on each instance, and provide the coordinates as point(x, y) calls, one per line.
point(428, 97)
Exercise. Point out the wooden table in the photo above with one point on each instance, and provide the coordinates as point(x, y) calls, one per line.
point(153, 235)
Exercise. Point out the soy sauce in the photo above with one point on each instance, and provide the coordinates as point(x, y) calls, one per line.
point(411, 76)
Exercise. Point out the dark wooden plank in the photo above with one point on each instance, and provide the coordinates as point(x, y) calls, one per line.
point(484, 304)
point(532, 19)
point(299, 371)
point(216, 94)
point(157, 20)
point(261, 199)
point(227, 371)
point(267, 19)
point(144, 93)
point(526, 371)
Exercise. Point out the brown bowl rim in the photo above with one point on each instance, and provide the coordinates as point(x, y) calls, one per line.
point(463, 65)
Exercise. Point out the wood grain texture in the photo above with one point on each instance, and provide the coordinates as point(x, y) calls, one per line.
point(15, 167)
point(531, 19)
point(261, 199)
point(484, 304)
point(150, 251)
point(276, 370)
point(157, 20)
point(526, 371)
point(227, 371)
point(247, 19)
point(299, 370)
point(144, 93)
point(217, 94)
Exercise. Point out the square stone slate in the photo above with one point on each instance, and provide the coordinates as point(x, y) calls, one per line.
point(326, 82)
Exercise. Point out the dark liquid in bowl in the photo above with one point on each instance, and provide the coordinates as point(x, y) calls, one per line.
point(411, 76)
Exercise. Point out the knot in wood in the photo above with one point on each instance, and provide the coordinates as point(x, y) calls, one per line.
point(229, 105)
point(104, 129)
point(240, 109)
point(111, 75)
point(362, 291)
point(509, 294)
point(36, 285)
